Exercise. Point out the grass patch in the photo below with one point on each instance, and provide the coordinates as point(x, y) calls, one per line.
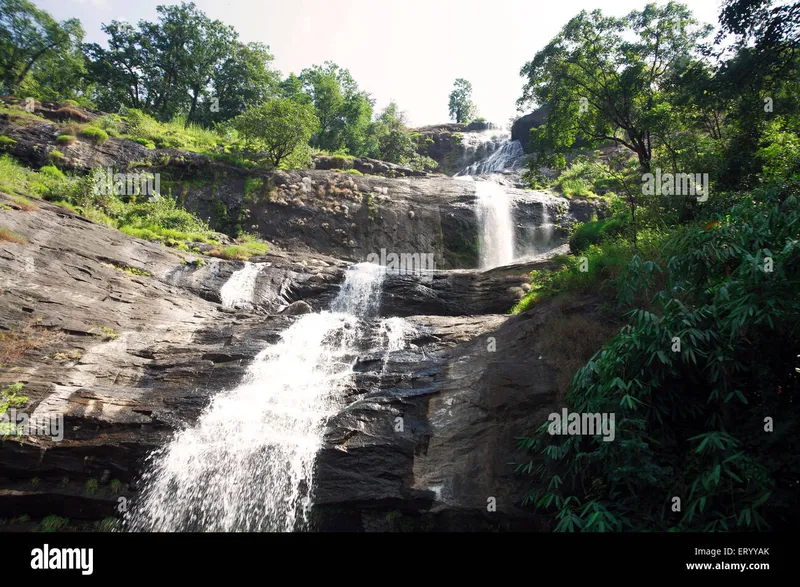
point(7, 143)
point(71, 113)
point(96, 135)
point(24, 203)
point(247, 246)
point(130, 270)
point(15, 343)
point(54, 157)
point(12, 237)
point(108, 333)
point(10, 397)
point(597, 270)
point(53, 524)
point(66, 139)
point(91, 486)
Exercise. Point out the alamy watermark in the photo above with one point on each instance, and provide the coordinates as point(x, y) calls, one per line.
point(14, 423)
point(420, 265)
point(582, 424)
point(676, 184)
point(109, 183)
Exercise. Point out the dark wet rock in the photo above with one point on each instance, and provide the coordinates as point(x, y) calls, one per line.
point(521, 129)
point(297, 308)
point(429, 446)
point(125, 359)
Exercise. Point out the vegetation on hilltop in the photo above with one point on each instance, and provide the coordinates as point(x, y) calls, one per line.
point(703, 375)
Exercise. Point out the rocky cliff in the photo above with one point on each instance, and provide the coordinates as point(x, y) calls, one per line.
point(129, 340)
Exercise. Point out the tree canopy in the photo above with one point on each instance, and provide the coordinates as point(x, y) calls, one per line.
point(461, 107)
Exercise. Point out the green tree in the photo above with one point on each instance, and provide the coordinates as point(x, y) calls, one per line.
point(244, 79)
point(344, 111)
point(29, 35)
point(604, 77)
point(461, 107)
point(277, 129)
point(117, 72)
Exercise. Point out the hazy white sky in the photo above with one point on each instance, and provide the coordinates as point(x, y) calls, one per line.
point(409, 51)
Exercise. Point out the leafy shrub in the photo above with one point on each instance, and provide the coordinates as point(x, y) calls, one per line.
point(692, 420)
point(55, 157)
point(97, 135)
point(53, 524)
point(10, 397)
point(592, 233)
point(52, 172)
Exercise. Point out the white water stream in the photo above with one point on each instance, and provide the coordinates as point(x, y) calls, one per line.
point(247, 464)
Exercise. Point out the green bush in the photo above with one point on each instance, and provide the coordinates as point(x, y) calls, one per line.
point(593, 233)
point(584, 177)
point(53, 172)
point(97, 135)
point(55, 157)
point(692, 420)
point(65, 139)
point(145, 142)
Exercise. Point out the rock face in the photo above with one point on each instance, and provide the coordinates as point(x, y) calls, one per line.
point(127, 343)
point(129, 340)
point(428, 446)
point(521, 129)
point(322, 211)
point(365, 165)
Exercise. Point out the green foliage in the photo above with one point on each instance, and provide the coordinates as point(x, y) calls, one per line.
point(55, 157)
point(604, 264)
point(29, 38)
point(53, 524)
point(390, 139)
point(584, 177)
point(603, 76)
point(593, 233)
point(690, 421)
point(10, 397)
point(343, 110)
point(277, 130)
point(460, 105)
point(212, 76)
point(6, 143)
point(97, 135)
point(65, 139)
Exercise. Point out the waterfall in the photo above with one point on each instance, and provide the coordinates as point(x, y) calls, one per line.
point(495, 224)
point(505, 157)
point(247, 464)
point(239, 289)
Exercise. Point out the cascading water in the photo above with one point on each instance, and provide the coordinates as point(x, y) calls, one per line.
point(495, 224)
point(505, 157)
point(239, 289)
point(247, 464)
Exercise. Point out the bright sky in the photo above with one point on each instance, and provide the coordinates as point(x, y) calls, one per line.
point(410, 51)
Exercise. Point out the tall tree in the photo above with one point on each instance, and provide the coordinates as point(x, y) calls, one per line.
point(344, 111)
point(28, 35)
point(604, 77)
point(242, 80)
point(461, 107)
